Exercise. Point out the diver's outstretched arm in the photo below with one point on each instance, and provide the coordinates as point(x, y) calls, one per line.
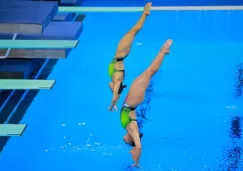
point(115, 97)
point(136, 151)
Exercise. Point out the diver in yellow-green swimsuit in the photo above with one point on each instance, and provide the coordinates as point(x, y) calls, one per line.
point(134, 98)
point(116, 67)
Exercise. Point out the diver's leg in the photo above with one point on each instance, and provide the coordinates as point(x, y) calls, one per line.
point(124, 45)
point(154, 67)
point(141, 83)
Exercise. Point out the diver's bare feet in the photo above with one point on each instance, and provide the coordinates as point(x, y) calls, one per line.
point(166, 46)
point(147, 8)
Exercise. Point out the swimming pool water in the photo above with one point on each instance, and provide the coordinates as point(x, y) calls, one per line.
point(195, 117)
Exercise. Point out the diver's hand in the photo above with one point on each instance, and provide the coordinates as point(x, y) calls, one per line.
point(135, 165)
point(116, 109)
point(113, 109)
point(136, 153)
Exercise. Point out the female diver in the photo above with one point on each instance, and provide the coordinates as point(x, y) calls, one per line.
point(134, 98)
point(116, 67)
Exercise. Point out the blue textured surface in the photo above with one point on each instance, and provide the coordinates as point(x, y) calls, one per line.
point(6, 36)
point(64, 17)
point(56, 31)
point(17, 66)
point(72, 2)
point(162, 2)
point(20, 5)
point(6, 1)
point(27, 12)
point(191, 109)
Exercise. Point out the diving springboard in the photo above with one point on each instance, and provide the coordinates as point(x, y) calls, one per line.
point(22, 84)
point(77, 9)
point(35, 53)
point(68, 31)
point(38, 44)
point(26, 17)
point(12, 129)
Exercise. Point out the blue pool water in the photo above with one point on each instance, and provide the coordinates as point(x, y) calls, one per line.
point(195, 117)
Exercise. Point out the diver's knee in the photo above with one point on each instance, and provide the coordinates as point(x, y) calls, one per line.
point(133, 32)
point(149, 72)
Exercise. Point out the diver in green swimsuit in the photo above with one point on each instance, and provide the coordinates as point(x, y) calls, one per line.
point(134, 98)
point(116, 67)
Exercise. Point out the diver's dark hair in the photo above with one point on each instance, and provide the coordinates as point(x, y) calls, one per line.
point(140, 136)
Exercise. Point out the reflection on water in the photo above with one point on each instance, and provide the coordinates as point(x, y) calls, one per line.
point(233, 153)
point(142, 110)
point(235, 130)
point(239, 81)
